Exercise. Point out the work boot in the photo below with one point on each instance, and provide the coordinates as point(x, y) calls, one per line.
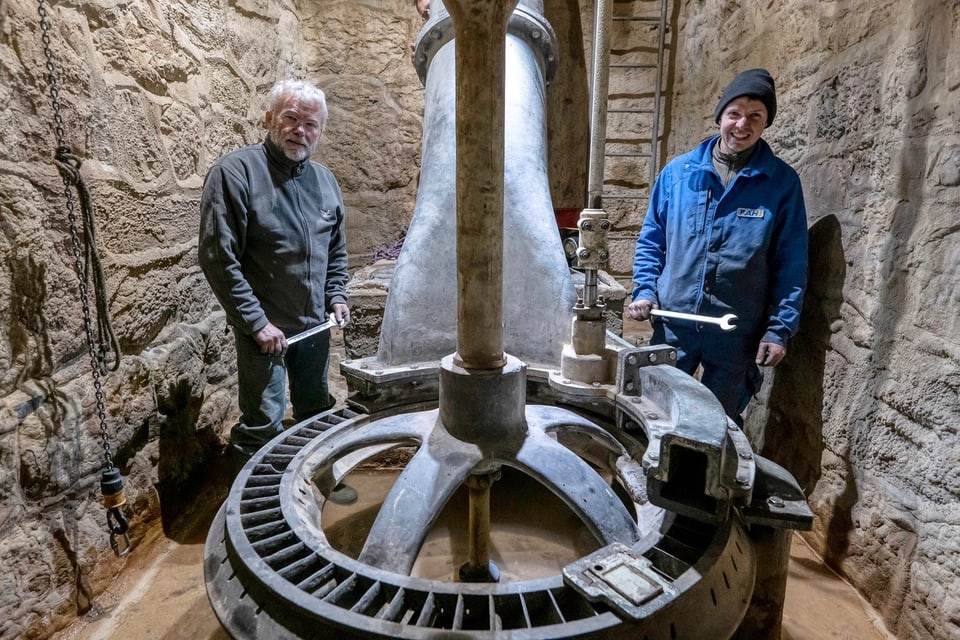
point(343, 494)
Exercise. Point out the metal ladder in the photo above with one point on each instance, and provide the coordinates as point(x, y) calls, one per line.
point(638, 50)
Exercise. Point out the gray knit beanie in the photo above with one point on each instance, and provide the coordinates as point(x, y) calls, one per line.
point(754, 83)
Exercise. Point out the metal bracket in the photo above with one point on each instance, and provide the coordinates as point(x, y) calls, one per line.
point(620, 577)
point(777, 499)
point(737, 465)
point(629, 362)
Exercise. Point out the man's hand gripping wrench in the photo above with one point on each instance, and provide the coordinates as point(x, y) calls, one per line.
point(727, 322)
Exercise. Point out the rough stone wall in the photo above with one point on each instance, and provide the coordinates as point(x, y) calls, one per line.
point(864, 411)
point(151, 93)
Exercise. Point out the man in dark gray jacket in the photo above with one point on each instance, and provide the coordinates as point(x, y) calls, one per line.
point(272, 247)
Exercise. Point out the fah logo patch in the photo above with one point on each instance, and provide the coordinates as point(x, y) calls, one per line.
point(750, 213)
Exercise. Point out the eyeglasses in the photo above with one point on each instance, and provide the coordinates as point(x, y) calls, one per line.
point(289, 120)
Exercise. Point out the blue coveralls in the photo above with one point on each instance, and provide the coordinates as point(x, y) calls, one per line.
point(708, 250)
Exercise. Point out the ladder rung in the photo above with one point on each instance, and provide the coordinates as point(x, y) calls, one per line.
point(629, 63)
point(633, 66)
point(636, 19)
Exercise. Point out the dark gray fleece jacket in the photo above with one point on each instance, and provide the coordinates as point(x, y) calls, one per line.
point(272, 243)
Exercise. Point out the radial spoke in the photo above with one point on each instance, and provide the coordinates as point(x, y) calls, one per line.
point(574, 481)
point(416, 498)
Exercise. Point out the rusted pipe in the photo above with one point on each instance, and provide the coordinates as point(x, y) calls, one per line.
point(479, 567)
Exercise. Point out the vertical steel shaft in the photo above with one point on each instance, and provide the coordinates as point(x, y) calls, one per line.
point(599, 88)
point(481, 28)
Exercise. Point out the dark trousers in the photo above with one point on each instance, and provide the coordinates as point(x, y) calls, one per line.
point(262, 391)
point(730, 370)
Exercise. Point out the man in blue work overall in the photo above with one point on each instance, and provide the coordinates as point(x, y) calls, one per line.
point(726, 232)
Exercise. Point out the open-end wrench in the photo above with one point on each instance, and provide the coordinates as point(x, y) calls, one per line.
point(727, 322)
point(329, 324)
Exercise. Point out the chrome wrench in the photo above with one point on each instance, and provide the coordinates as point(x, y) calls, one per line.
point(329, 324)
point(726, 322)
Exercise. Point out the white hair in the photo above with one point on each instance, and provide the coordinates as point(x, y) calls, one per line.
point(302, 90)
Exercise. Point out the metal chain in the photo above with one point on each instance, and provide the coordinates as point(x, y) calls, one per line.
point(51, 74)
point(70, 180)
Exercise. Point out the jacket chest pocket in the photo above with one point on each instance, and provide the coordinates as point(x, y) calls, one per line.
point(697, 207)
point(747, 230)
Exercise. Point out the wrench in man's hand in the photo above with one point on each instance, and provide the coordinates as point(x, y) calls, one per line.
point(329, 324)
point(727, 322)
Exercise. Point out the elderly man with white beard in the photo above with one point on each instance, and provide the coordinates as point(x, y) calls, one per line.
point(273, 250)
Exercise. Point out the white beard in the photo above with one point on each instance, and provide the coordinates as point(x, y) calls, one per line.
point(295, 153)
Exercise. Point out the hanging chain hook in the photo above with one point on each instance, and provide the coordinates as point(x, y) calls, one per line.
point(88, 268)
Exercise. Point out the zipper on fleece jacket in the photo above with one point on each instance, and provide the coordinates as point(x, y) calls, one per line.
point(305, 229)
